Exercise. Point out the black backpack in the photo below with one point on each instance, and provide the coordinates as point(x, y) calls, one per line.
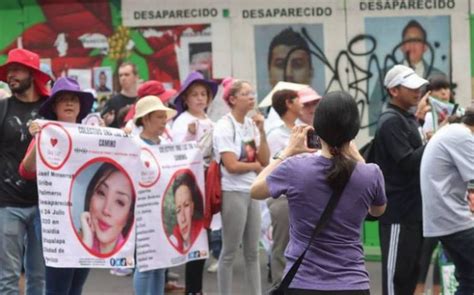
point(367, 151)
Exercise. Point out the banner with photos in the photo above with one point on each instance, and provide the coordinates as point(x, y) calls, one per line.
point(170, 207)
point(87, 179)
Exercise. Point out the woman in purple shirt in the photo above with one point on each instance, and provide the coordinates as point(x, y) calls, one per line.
point(334, 264)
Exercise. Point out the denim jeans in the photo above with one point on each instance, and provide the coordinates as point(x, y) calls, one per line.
point(215, 243)
point(150, 282)
point(18, 243)
point(460, 247)
point(65, 281)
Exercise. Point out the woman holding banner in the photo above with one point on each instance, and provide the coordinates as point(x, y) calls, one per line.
point(152, 115)
point(192, 123)
point(67, 103)
point(240, 214)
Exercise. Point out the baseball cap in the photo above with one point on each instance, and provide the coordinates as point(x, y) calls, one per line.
point(267, 101)
point(405, 76)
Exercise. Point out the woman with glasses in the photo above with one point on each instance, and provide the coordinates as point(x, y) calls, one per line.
point(241, 147)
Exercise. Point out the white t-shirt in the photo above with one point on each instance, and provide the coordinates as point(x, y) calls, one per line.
point(446, 168)
point(278, 138)
point(179, 130)
point(242, 140)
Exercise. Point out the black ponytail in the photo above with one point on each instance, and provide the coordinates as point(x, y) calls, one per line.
point(337, 122)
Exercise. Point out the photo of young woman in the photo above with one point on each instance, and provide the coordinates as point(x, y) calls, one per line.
point(108, 210)
point(188, 212)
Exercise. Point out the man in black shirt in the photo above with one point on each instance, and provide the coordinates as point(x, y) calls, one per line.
point(398, 150)
point(128, 78)
point(19, 198)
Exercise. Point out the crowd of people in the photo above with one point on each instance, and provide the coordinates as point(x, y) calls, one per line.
point(419, 182)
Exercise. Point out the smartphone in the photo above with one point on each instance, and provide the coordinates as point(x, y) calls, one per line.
point(312, 140)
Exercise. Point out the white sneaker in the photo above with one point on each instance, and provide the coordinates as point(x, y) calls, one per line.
point(213, 266)
point(121, 272)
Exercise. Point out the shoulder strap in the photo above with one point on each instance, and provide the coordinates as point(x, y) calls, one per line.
point(336, 195)
point(3, 111)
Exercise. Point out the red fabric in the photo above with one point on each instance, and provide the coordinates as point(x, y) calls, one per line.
point(25, 174)
point(30, 60)
point(213, 192)
point(196, 226)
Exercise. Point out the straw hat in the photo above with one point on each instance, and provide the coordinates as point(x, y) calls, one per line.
point(149, 104)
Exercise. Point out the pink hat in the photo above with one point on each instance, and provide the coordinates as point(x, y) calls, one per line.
point(227, 85)
point(308, 94)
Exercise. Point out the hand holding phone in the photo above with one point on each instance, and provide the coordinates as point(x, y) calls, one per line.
point(312, 140)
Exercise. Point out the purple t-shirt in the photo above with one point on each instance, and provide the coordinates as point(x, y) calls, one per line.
point(335, 260)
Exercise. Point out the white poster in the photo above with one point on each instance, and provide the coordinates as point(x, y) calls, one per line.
point(87, 180)
point(170, 208)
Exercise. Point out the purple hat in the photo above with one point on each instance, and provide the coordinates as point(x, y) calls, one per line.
point(192, 78)
point(67, 85)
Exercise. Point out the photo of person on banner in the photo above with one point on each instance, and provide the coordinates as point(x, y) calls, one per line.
point(289, 58)
point(188, 211)
point(108, 214)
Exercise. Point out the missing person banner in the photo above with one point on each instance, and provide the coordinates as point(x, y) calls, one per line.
point(170, 207)
point(87, 180)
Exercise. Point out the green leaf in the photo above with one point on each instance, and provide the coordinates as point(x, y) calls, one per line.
point(95, 52)
point(108, 62)
point(16, 18)
point(141, 44)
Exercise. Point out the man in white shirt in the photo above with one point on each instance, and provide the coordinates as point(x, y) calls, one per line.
point(288, 104)
point(447, 169)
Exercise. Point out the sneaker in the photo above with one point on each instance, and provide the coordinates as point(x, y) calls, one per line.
point(213, 266)
point(172, 276)
point(121, 272)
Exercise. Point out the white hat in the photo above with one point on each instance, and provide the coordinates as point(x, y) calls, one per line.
point(149, 104)
point(267, 101)
point(405, 76)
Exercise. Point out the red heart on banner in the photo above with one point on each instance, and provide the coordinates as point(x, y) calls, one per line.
point(147, 164)
point(54, 141)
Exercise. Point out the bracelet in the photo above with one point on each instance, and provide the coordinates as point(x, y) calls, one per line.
point(279, 156)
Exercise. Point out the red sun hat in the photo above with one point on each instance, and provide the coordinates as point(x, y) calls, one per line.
point(154, 88)
point(30, 60)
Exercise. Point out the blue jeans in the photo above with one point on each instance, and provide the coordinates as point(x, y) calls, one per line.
point(215, 237)
point(150, 282)
point(18, 243)
point(65, 281)
point(460, 247)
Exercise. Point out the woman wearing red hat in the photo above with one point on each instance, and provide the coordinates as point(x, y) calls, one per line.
point(67, 103)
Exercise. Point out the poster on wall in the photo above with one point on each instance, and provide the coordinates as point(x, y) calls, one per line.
point(170, 209)
point(291, 41)
point(82, 76)
point(283, 53)
point(194, 53)
point(103, 77)
point(424, 35)
point(87, 180)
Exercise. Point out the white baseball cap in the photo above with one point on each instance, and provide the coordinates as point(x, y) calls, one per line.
point(405, 76)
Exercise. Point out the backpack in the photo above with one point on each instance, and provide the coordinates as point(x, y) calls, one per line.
point(213, 189)
point(367, 151)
